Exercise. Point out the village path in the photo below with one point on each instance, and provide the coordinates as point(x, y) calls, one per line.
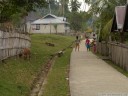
point(91, 76)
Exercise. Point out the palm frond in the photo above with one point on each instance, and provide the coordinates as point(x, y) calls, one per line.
point(106, 30)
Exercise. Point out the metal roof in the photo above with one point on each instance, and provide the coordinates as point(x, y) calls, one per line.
point(51, 19)
point(120, 19)
point(120, 16)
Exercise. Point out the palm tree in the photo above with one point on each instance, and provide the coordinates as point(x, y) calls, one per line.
point(75, 5)
point(63, 8)
point(103, 11)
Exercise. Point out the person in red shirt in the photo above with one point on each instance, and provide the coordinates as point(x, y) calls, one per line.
point(87, 44)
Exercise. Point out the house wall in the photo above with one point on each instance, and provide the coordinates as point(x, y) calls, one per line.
point(46, 29)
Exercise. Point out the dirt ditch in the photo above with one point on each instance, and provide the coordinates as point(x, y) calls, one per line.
point(38, 82)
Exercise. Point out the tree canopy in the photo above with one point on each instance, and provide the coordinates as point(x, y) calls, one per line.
point(22, 7)
point(75, 5)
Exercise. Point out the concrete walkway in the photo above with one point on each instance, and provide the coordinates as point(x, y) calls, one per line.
point(91, 76)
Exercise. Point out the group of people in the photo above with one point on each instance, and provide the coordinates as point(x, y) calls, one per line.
point(88, 44)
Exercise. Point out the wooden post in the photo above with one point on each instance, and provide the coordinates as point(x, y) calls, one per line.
point(50, 26)
point(99, 33)
point(122, 37)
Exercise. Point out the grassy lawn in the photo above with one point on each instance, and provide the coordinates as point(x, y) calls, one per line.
point(17, 75)
point(57, 83)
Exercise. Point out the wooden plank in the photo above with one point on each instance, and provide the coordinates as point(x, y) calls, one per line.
point(11, 43)
point(126, 58)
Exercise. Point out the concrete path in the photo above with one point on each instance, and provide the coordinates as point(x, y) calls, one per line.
point(91, 76)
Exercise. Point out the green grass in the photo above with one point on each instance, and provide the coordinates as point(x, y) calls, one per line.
point(17, 75)
point(57, 84)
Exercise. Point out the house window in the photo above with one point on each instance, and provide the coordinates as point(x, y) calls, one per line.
point(37, 26)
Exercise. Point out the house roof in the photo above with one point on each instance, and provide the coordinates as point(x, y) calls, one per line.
point(125, 27)
point(51, 19)
point(120, 16)
point(120, 20)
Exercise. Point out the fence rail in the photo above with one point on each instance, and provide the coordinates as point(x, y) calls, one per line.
point(116, 52)
point(11, 43)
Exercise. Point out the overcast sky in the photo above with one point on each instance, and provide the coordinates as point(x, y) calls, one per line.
point(84, 6)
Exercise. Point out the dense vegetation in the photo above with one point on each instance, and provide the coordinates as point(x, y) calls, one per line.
point(9, 8)
point(103, 12)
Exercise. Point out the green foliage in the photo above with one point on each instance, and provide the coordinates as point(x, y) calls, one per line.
point(63, 7)
point(16, 19)
point(102, 11)
point(58, 7)
point(75, 5)
point(115, 36)
point(106, 30)
point(11, 7)
point(77, 21)
point(54, 7)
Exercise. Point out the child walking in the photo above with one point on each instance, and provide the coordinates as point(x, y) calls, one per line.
point(77, 43)
point(87, 44)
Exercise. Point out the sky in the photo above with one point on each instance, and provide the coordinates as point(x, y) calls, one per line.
point(84, 6)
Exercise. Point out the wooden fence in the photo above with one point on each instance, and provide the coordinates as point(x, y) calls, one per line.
point(102, 48)
point(116, 52)
point(11, 43)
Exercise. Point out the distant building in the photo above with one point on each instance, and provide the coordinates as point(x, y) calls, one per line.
point(50, 24)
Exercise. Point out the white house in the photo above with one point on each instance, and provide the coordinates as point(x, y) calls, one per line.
point(50, 24)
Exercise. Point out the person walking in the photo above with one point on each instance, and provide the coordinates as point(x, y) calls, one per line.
point(94, 45)
point(87, 44)
point(77, 43)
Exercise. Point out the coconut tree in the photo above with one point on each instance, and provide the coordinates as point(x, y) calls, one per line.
point(75, 5)
point(63, 7)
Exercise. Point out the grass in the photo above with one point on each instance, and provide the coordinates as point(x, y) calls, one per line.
point(17, 75)
point(57, 83)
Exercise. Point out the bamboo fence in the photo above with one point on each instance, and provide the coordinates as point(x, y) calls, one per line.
point(11, 43)
point(118, 53)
